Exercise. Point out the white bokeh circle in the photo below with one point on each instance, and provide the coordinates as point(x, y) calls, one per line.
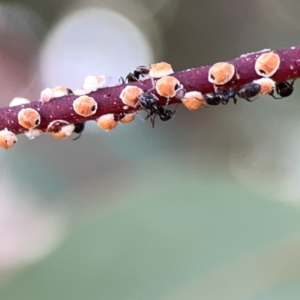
point(92, 41)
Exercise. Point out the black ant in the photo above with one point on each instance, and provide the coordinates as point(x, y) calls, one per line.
point(253, 89)
point(79, 127)
point(285, 89)
point(249, 90)
point(151, 105)
point(138, 72)
point(222, 97)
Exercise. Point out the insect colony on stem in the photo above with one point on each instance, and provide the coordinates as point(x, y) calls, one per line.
point(224, 77)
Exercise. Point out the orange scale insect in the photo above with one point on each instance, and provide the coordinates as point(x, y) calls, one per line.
point(130, 94)
point(29, 118)
point(161, 69)
point(85, 106)
point(169, 87)
point(107, 122)
point(267, 64)
point(221, 73)
point(193, 100)
point(7, 139)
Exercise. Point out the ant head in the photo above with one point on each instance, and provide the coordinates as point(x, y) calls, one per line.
point(129, 78)
point(212, 98)
point(168, 114)
point(267, 64)
point(285, 89)
point(79, 127)
point(142, 70)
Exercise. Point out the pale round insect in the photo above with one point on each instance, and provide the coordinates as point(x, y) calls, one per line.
point(7, 139)
point(267, 64)
point(85, 106)
point(33, 133)
point(46, 95)
point(93, 83)
point(193, 100)
point(29, 118)
point(161, 69)
point(81, 92)
point(221, 73)
point(107, 122)
point(129, 95)
point(18, 101)
point(59, 91)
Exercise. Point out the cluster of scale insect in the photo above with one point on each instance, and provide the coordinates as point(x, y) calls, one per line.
point(163, 84)
point(266, 65)
point(83, 105)
point(30, 118)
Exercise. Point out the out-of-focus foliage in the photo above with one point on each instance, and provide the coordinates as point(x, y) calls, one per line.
point(203, 207)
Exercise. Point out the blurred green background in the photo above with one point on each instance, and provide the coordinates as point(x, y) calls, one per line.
point(203, 207)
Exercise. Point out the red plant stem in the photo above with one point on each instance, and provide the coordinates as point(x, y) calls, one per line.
point(109, 102)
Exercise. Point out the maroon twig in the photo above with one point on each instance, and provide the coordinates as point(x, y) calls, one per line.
point(109, 102)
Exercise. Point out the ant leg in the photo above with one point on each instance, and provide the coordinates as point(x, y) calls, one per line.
point(175, 108)
point(276, 97)
point(153, 83)
point(153, 88)
point(180, 93)
point(225, 102)
point(272, 95)
point(131, 78)
point(251, 100)
point(291, 84)
point(150, 115)
point(140, 117)
point(153, 120)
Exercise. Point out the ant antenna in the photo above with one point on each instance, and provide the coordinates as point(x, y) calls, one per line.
point(77, 137)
